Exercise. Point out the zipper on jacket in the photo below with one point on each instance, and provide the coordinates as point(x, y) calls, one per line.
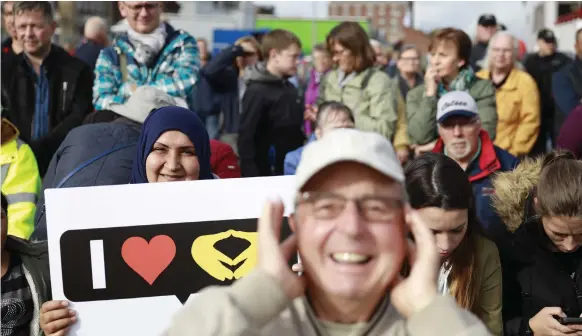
point(64, 95)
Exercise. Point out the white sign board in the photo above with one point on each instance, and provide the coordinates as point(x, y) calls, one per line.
point(128, 256)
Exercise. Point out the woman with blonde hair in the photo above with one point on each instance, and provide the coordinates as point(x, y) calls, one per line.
point(224, 73)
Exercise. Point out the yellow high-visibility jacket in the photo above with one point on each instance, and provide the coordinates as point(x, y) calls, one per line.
point(21, 181)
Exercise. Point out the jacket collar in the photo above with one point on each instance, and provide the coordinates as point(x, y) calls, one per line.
point(488, 162)
point(9, 131)
point(33, 249)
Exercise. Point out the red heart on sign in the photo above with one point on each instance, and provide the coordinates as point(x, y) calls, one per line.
point(148, 260)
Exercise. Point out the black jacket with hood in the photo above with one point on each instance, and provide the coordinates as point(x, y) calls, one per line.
point(272, 115)
point(534, 278)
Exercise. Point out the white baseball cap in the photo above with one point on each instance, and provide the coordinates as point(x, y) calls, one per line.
point(348, 145)
point(456, 103)
point(143, 100)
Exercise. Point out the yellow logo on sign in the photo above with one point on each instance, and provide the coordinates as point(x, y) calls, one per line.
point(210, 259)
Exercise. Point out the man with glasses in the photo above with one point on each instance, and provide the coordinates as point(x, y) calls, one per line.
point(408, 64)
point(350, 226)
point(151, 53)
point(462, 138)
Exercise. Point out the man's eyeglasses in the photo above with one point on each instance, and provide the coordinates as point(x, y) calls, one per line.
point(326, 205)
point(410, 59)
point(148, 7)
point(450, 123)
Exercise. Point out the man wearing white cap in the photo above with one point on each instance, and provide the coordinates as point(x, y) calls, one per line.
point(110, 147)
point(462, 138)
point(350, 226)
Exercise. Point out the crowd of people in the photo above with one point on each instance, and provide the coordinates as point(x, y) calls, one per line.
point(431, 198)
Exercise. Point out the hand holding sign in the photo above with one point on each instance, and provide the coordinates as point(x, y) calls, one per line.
point(56, 317)
point(273, 256)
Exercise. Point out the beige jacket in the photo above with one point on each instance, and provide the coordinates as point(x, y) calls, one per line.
point(257, 305)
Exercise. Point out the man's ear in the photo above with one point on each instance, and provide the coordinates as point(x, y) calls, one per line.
point(122, 9)
point(317, 133)
point(536, 202)
point(292, 222)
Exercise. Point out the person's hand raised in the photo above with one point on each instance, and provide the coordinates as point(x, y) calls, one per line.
point(431, 81)
point(310, 113)
point(415, 292)
point(56, 318)
point(273, 257)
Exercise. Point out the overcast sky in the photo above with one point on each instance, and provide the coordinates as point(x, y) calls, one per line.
point(428, 15)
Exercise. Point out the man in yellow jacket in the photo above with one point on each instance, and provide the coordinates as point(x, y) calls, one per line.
point(517, 96)
point(20, 181)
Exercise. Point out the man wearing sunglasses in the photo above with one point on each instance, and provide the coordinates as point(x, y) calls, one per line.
point(462, 138)
point(151, 53)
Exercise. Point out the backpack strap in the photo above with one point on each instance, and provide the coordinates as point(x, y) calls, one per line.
point(366, 79)
point(122, 64)
point(90, 161)
point(42, 209)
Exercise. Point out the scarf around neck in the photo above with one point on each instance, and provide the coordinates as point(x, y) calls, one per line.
point(148, 46)
point(461, 83)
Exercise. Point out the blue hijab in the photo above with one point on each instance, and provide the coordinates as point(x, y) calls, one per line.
point(167, 119)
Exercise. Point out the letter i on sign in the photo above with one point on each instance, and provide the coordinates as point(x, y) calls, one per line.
point(98, 264)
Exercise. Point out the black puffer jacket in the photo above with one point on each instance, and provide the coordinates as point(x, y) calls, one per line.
point(272, 115)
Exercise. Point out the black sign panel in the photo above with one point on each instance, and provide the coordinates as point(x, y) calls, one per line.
point(157, 260)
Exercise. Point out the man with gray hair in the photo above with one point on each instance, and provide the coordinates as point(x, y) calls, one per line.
point(350, 224)
point(330, 115)
point(48, 91)
point(102, 153)
point(95, 40)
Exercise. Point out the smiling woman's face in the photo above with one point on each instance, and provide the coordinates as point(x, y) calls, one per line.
point(173, 158)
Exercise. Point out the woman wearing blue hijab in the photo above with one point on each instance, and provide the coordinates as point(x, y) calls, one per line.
point(173, 146)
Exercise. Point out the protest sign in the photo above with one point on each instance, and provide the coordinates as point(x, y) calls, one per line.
point(128, 257)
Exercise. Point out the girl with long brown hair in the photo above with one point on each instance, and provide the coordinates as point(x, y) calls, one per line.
point(439, 190)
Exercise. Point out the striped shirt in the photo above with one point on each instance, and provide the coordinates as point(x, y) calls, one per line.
point(17, 304)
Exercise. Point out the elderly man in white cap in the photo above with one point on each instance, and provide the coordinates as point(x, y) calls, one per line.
point(462, 138)
point(350, 226)
point(101, 153)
